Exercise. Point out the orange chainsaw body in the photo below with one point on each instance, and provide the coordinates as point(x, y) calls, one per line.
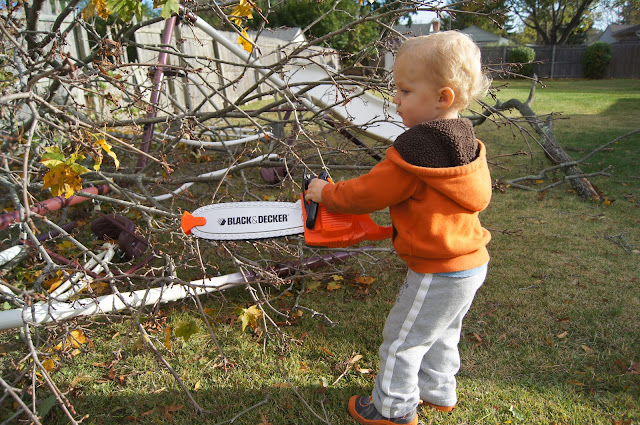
point(337, 230)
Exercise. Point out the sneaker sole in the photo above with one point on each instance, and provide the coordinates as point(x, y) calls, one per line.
point(445, 409)
point(363, 421)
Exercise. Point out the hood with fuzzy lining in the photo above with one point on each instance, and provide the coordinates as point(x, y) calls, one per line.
point(467, 185)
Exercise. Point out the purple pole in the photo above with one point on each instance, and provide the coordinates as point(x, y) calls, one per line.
point(158, 77)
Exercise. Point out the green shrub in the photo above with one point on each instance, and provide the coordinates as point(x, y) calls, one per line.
point(523, 55)
point(596, 59)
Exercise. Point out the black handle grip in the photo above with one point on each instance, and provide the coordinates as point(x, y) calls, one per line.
point(310, 206)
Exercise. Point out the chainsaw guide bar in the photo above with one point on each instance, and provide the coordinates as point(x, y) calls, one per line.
point(244, 220)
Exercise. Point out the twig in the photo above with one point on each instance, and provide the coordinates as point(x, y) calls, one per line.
point(160, 357)
point(283, 371)
point(18, 400)
point(621, 242)
point(237, 416)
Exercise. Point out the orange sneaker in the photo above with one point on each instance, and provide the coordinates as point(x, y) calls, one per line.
point(365, 413)
point(438, 408)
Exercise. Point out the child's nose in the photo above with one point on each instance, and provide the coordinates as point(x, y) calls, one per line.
point(396, 99)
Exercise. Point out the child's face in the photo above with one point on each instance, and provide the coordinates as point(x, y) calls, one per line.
point(417, 98)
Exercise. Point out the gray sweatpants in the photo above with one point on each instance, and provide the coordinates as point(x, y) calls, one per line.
point(419, 354)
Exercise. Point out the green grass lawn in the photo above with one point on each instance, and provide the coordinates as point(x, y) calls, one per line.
point(549, 339)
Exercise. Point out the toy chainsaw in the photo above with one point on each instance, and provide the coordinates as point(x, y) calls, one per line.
point(259, 220)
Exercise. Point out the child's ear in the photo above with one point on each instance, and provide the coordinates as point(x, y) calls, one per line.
point(447, 96)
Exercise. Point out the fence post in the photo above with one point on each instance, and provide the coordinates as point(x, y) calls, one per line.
point(553, 60)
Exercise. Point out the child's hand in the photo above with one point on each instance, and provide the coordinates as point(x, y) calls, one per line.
point(314, 192)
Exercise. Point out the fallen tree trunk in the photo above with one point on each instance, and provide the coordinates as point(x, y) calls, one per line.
point(547, 141)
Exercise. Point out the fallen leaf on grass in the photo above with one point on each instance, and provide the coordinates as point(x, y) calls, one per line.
point(169, 410)
point(282, 385)
point(148, 412)
point(586, 349)
point(577, 383)
point(312, 286)
point(186, 329)
point(354, 359)
point(335, 283)
point(249, 317)
point(49, 364)
point(327, 351)
point(364, 371)
point(46, 405)
point(333, 286)
point(138, 344)
point(263, 420)
point(365, 280)
point(304, 367)
point(562, 335)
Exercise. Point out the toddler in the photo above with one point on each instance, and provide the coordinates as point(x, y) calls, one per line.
point(435, 181)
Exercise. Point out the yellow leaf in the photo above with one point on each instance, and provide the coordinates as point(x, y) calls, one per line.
point(539, 181)
point(77, 338)
point(245, 41)
point(95, 7)
point(304, 367)
point(249, 317)
point(365, 280)
point(62, 180)
point(49, 364)
point(242, 10)
point(337, 277)
point(333, 286)
point(196, 387)
point(102, 144)
point(53, 283)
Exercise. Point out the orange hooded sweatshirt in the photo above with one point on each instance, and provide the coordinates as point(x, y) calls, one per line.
point(434, 211)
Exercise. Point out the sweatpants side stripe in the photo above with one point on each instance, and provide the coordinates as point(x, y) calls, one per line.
point(402, 336)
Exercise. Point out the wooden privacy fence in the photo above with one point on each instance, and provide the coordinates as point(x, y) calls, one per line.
point(566, 61)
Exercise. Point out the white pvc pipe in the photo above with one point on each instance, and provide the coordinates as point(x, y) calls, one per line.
point(54, 311)
point(80, 280)
point(202, 144)
point(10, 253)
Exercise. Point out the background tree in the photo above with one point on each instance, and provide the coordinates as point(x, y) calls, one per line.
point(628, 11)
point(555, 22)
point(319, 18)
point(488, 15)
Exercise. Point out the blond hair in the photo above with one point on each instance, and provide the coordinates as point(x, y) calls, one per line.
point(451, 59)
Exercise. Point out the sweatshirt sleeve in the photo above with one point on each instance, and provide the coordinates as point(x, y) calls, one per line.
point(385, 185)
